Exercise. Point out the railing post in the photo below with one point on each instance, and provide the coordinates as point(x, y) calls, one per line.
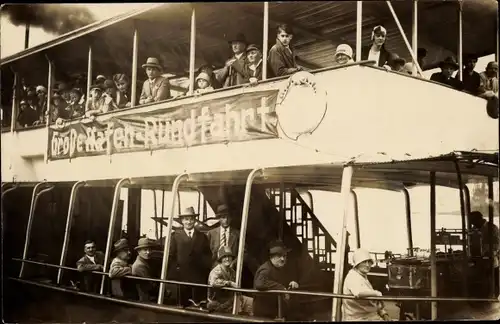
point(89, 75)
point(359, 25)
point(243, 232)
point(490, 233)
point(341, 251)
point(135, 45)
point(356, 218)
point(192, 51)
point(168, 236)
point(111, 229)
point(69, 218)
point(433, 245)
point(49, 101)
point(460, 41)
point(465, 263)
point(265, 40)
point(409, 231)
point(415, 34)
point(34, 199)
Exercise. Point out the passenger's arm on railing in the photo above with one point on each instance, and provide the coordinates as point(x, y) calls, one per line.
point(216, 279)
point(118, 270)
point(263, 281)
point(82, 266)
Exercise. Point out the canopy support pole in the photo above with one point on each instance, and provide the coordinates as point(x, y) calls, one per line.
point(34, 199)
point(460, 41)
point(135, 51)
point(49, 100)
point(415, 34)
point(341, 251)
point(405, 39)
point(111, 229)
point(168, 236)
point(13, 119)
point(67, 231)
point(408, 221)
point(89, 74)
point(243, 232)
point(490, 233)
point(265, 40)
point(356, 218)
point(465, 263)
point(359, 31)
point(192, 51)
point(433, 245)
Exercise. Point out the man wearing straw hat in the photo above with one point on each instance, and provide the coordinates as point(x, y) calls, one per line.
point(357, 284)
point(155, 88)
point(119, 267)
point(191, 256)
point(223, 275)
point(140, 268)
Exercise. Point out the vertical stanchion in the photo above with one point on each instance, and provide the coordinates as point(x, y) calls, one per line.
point(168, 236)
point(414, 38)
point(356, 218)
point(192, 51)
point(465, 263)
point(111, 229)
point(67, 231)
point(49, 114)
point(243, 232)
point(341, 251)
point(408, 221)
point(460, 40)
point(89, 75)
point(135, 50)
point(433, 245)
point(490, 235)
point(265, 40)
point(359, 31)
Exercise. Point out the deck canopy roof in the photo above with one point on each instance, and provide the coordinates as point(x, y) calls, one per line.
point(164, 31)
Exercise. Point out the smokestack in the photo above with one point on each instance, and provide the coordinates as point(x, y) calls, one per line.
point(27, 36)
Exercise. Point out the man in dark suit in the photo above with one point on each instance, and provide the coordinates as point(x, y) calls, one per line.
point(141, 268)
point(191, 256)
point(448, 66)
point(155, 88)
point(376, 51)
point(234, 71)
point(225, 235)
point(92, 261)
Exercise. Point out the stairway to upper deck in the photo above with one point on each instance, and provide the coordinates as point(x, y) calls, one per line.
point(313, 249)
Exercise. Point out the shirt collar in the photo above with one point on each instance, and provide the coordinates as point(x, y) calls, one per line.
point(238, 56)
point(191, 231)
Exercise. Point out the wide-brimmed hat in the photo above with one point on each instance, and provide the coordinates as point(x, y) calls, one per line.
point(222, 210)
point(449, 61)
point(144, 242)
point(239, 37)
point(224, 252)
point(344, 49)
point(252, 47)
point(188, 212)
point(120, 245)
point(360, 255)
point(152, 62)
point(203, 76)
point(278, 247)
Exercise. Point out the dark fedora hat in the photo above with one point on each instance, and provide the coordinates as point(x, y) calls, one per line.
point(120, 245)
point(449, 61)
point(252, 47)
point(278, 247)
point(222, 210)
point(239, 37)
point(224, 252)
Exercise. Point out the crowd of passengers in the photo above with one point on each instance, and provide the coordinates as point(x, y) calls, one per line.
point(245, 66)
point(210, 258)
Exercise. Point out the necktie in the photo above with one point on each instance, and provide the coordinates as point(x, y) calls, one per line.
point(223, 239)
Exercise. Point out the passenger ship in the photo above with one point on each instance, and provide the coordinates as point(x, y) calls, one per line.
point(261, 149)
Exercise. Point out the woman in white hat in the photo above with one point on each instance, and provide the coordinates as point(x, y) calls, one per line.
point(203, 83)
point(343, 54)
point(357, 284)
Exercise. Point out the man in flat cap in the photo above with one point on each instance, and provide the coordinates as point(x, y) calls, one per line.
point(155, 88)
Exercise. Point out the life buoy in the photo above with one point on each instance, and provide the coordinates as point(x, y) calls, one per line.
point(301, 105)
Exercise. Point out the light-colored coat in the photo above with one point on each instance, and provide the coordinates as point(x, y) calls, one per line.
point(160, 90)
